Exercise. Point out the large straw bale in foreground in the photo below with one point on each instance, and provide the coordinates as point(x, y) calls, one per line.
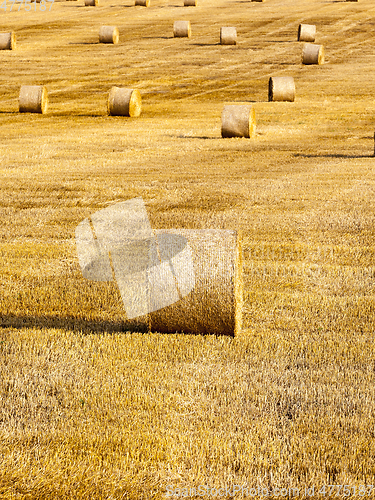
point(182, 29)
point(33, 99)
point(306, 32)
point(215, 304)
point(312, 54)
point(108, 34)
point(281, 88)
point(228, 36)
point(124, 102)
point(7, 41)
point(238, 121)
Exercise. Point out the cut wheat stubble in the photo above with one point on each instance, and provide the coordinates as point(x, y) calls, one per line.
point(306, 33)
point(312, 54)
point(7, 41)
point(228, 36)
point(108, 34)
point(215, 304)
point(238, 120)
point(281, 88)
point(33, 99)
point(181, 29)
point(124, 102)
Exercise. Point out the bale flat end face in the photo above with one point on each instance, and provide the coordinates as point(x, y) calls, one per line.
point(238, 121)
point(7, 41)
point(228, 36)
point(33, 99)
point(281, 88)
point(182, 29)
point(124, 102)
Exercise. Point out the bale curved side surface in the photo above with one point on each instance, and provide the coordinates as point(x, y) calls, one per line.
point(108, 34)
point(182, 29)
point(312, 54)
point(306, 33)
point(7, 41)
point(238, 121)
point(228, 36)
point(124, 102)
point(215, 304)
point(33, 99)
point(281, 88)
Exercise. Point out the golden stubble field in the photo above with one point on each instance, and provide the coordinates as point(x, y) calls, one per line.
point(91, 410)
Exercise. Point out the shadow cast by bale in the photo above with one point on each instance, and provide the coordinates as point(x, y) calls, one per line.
point(331, 155)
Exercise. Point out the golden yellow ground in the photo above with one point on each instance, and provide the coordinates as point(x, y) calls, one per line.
point(90, 411)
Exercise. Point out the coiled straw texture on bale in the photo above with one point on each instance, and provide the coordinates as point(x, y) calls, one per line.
point(238, 121)
point(142, 3)
point(190, 3)
point(228, 36)
point(312, 54)
point(33, 99)
point(7, 41)
point(108, 34)
point(281, 88)
point(306, 32)
point(215, 304)
point(124, 102)
point(182, 29)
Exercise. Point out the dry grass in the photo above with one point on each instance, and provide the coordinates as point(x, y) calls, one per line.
point(89, 410)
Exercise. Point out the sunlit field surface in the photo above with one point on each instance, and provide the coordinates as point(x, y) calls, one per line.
point(93, 408)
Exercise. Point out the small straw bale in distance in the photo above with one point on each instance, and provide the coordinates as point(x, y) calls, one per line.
point(238, 120)
point(190, 3)
point(108, 34)
point(142, 3)
point(33, 99)
point(281, 88)
point(91, 3)
point(215, 304)
point(182, 29)
point(306, 32)
point(257, 0)
point(7, 41)
point(312, 54)
point(228, 36)
point(124, 102)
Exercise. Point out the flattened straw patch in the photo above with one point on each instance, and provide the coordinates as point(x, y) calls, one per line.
point(182, 29)
point(33, 99)
point(108, 34)
point(215, 304)
point(228, 36)
point(306, 32)
point(124, 102)
point(7, 41)
point(238, 121)
point(312, 54)
point(281, 88)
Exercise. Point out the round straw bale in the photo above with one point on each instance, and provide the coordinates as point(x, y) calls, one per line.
point(238, 121)
point(33, 99)
point(182, 29)
point(142, 3)
point(190, 3)
point(124, 102)
point(281, 88)
point(7, 41)
point(108, 34)
point(257, 0)
point(91, 3)
point(306, 32)
point(312, 54)
point(228, 36)
point(215, 304)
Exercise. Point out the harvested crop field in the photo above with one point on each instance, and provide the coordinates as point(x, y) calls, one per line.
point(91, 406)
